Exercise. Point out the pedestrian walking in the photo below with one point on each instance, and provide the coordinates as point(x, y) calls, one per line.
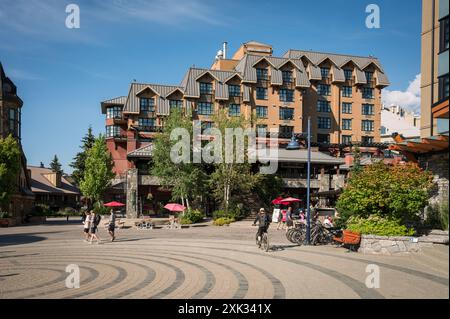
point(86, 225)
point(289, 221)
point(112, 225)
point(96, 218)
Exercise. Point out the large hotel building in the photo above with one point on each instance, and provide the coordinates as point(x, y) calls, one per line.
point(340, 93)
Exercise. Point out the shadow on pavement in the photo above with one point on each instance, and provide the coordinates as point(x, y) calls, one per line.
point(24, 238)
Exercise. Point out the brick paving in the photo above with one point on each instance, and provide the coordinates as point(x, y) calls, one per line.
point(204, 262)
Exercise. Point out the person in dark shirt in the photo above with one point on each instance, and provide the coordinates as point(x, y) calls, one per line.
point(264, 222)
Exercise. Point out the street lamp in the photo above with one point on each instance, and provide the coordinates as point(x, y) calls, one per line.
point(294, 145)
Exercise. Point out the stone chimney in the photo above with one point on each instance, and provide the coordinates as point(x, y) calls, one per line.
point(54, 178)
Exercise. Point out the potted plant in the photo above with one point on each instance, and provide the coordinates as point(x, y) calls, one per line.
point(4, 219)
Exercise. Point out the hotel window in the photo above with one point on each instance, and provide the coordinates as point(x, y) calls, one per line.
point(13, 120)
point(262, 74)
point(147, 105)
point(347, 91)
point(112, 131)
point(348, 74)
point(323, 106)
point(114, 112)
point(261, 111)
point(323, 138)
point(234, 110)
point(346, 124)
point(146, 123)
point(367, 93)
point(204, 108)
point(367, 140)
point(367, 109)
point(234, 90)
point(286, 113)
point(369, 76)
point(286, 95)
point(346, 108)
point(443, 87)
point(323, 89)
point(261, 130)
point(346, 139)
point(367, 125)
point(176, 104)
point(287, 77)
point(444, 36)
point(206, 88)
point(261, 93)
point(323, 122)
point(286, 130)
point(325, 72)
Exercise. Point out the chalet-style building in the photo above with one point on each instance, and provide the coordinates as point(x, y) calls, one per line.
point(340, 93)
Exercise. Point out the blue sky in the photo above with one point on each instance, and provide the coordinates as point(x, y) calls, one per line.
point(63, 74)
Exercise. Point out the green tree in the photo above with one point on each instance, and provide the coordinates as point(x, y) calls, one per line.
point(98, 171)
point(79, 160)
point(231, 178)
point(55, 165)
point(396, 191)
point(186, 180)
point(9, 168)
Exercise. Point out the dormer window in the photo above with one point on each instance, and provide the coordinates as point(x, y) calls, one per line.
point(369, 76)
point(348, 74)
point(206, 88)
point(287, 77)
point(147, 104)
point(262, 74)
point(325, 72)
point(234, 90)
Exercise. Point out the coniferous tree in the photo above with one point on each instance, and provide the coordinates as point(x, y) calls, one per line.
point(79, 160)
point(55, 165)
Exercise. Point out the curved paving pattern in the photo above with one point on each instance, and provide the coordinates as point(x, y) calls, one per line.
point(193, 267)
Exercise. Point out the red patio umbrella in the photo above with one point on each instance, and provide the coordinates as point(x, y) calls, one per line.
point(277, 201)
point(287, 201)
point(173, 207)
point(114, 204)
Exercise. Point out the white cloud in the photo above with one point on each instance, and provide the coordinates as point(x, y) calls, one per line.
point(409, 99)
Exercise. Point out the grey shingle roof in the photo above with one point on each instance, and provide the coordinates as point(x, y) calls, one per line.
point(40, 184)
point(144, 151)
point(121, 100)
point(301, 156)
point(339, 60)
point(132, 104)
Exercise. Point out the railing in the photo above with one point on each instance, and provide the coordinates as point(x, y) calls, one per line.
point(263, 82)
point(146, 128)
point(207, 97)
point(288, 85)
point(236, 99)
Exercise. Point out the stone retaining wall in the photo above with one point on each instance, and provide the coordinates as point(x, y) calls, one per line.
point(400, 245)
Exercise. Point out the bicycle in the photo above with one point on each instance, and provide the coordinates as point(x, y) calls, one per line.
point(263, 243)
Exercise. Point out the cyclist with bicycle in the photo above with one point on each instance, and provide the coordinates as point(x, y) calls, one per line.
point(264, 221)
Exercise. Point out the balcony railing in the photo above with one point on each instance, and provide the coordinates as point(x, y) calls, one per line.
point(236, 99)
point(147, 128)
point(207, 97)
point(263, 82)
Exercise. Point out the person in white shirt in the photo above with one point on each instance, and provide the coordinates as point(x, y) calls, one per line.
point(328, 222)
point(87, 225)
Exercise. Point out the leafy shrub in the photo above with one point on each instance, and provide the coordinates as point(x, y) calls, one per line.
point(185, 221)
point(223, 221)
point(397, 191)
point(4, 215)
point(378, 225)
point(193, 215)
point(437, 215)
point(236, 212)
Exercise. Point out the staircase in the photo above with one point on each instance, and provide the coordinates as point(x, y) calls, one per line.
point(254, 203)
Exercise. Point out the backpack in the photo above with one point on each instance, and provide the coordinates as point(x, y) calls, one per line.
point(97, 219)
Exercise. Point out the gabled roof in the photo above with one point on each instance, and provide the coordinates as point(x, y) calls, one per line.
point(190, 83)
point(340, 60)
point(132, 104)
point(40, 184)
point(121, 100)
point(144, 151)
